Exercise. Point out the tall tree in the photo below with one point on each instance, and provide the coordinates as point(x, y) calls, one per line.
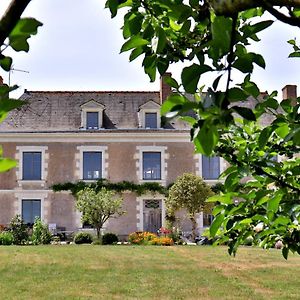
point(214, 37)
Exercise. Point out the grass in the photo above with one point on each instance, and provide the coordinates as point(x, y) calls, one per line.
point(137, 272)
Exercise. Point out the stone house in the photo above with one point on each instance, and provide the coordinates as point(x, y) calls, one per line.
point(59, 137)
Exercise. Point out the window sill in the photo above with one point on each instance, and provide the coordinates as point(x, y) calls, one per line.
point(24, 182)
point(214, 180)
point(90, 180)
point(160, 181)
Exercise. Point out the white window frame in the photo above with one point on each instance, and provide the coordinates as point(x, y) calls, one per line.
point(158, 119)
point(142, 114)
point(103, 150)
point(44, 164)
point(200, 172)
point(140, 209)
point(163, 164)
point(85, 109)
point(32, 195)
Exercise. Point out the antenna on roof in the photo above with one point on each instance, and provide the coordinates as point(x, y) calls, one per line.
point(11, 71)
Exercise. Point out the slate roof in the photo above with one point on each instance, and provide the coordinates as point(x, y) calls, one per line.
point(61, 111)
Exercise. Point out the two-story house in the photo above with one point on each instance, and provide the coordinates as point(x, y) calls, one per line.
point(65, 136)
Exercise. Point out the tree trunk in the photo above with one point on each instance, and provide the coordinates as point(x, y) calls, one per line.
point(98, 232)
point(194, 227)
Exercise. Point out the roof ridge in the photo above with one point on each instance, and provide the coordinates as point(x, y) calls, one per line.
point(99, 92)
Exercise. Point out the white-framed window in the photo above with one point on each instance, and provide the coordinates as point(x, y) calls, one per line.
point(31, 209)
point(210, 168)
point(152, 163)
point(92, 115)
point(31, 204)
point(92, 162)
point(151, 213)
point(149, 115)
point(33, 164)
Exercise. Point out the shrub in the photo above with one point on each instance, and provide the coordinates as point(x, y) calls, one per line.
point(141, 237)
point(6, 238)
point(162, 241)
point(40, 233)
point(83, 238)
point(19, 230)
point(109, 239)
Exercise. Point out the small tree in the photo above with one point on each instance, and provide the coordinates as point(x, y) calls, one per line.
point(189, 192)
point(98, 206)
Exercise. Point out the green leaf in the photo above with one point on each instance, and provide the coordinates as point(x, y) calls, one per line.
point(294, 54)
point(273, 203)
point(135, 23)
point(245, 112)
point(171, 82)
point(216, 82)
point(285, 252)
point(22, 32)
point(281, 220)
point(206, 139)
point(172, 101)
point(5, 63)
point(264, 137)
point(282, 130)
point(231, 180)
point(224, 199)
point(186, 27)
point(162, 65)
point(150, 66)
point(134, 42)
point(249, 30)
point(113, 5)
point(250, 87)
point(259, 60)
point(136, 53)
point(244, 63)
point(7, 105)
point(236, 94)
point(162, 40)
point(216, 224)
point(7, 164)
point(190, 76)
point(221, 37)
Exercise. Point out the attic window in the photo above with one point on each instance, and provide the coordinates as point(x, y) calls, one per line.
point(149, 116)
point(92, 115)
point(92, 120)
point(151, 120)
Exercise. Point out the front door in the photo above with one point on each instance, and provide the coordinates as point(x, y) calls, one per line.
point(152, 215)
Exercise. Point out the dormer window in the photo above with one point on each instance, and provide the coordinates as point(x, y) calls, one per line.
point(92, 120)
point(149, 115)
point(92, 115)
point(151, 120)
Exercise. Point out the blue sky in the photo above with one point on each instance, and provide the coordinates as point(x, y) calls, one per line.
point(78, 49)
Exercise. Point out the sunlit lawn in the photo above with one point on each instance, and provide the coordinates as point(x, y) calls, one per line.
point(136, 272)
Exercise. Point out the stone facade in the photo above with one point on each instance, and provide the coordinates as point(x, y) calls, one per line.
point(55, 125)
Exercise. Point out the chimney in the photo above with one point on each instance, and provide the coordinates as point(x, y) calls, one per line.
point(290, 92)
point(165, 89)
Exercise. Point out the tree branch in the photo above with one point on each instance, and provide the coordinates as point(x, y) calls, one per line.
point(230, 7)
point(11, 18)
point(294, 21)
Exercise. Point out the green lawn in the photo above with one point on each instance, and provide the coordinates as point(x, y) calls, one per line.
point(136, 272)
